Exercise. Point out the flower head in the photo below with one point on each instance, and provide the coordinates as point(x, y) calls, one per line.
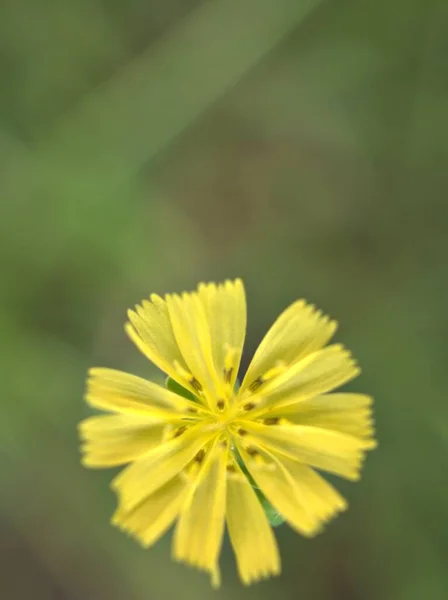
point(204, 457)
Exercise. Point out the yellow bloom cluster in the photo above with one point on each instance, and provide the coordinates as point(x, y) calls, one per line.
point(189, 458)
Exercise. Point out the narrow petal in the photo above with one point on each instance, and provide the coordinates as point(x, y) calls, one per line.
point(299, 494)
point(346, 413)
point(225, 307)
point(316, 374)
point(150, 329)
point(280, 492)
point(120, 392)
point(115, 440)
point(251, 535)
point(200, 529)
point(319, 497)
point(320, 448)
point(298, 331)
point(191, 329)
point(143, 477)
point(150, 519)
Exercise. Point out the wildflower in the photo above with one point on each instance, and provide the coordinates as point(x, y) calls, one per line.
point(203, 458)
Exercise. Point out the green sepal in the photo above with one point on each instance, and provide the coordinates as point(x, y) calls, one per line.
point(178, 389)
point(274, 517)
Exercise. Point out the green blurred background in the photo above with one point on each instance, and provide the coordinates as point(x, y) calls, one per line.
point(147, 145)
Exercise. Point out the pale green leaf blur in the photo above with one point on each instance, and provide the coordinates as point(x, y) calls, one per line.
point(148, 145)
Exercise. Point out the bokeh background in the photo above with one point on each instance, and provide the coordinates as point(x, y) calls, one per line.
point(147, 145)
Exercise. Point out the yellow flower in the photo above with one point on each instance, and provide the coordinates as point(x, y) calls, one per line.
point(202, 460)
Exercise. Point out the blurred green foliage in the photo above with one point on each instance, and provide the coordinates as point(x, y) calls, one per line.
point(145, 146)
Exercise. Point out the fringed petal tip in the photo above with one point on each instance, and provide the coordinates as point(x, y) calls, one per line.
point(258, 576)
point(92, 374)
point(216, 578)
point(212, 570)
point(226, 284)
point(247, 578)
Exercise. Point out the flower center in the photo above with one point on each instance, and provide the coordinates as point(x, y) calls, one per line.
point(225, 417)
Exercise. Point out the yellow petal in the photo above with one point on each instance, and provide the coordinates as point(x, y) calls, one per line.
point(150, 329)
point(110, 441)
point(192, 332)
point(146, 475)
point(298, 331)
point(316, 374)
point(280, 492)
point(120, 392)
point(320, 498)
point(346, 413)
point(225, 307)
point(320, 448)
point(299, 494)
point(251, 535)
point(150, 519)
point(200, 528)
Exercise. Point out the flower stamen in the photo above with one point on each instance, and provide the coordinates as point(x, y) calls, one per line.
point(195, 384)
point(221, 404)
point(228, 374)
point(271, 421)
point(279, 368)
point(180, 431)
point(199, 456)
point(230, 363)
point(256, 384)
